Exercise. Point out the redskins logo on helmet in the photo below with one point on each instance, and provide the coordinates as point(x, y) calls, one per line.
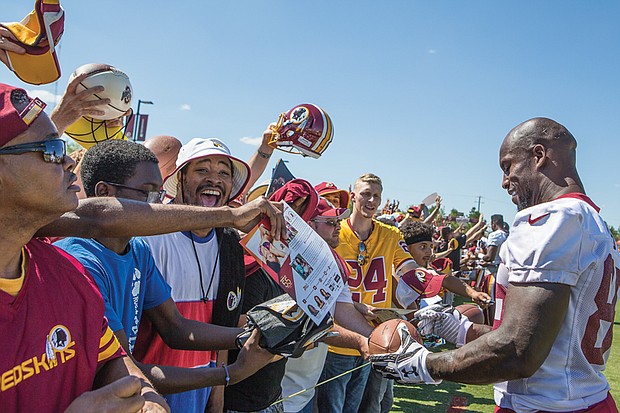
point(306, 129)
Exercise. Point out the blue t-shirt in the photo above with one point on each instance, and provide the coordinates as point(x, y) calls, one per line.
point(129, 283)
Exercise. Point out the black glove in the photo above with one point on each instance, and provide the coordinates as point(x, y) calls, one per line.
point(285, 329)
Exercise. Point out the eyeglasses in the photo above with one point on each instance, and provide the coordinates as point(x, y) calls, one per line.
point(361, 256)
point(152, 197)
point(332, 223)
point(54, 150)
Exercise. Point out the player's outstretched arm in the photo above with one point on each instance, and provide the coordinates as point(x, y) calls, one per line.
point(116, 217)
point(533, 315)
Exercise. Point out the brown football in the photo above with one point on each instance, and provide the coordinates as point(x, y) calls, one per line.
point(385, 337)
point(471, 311)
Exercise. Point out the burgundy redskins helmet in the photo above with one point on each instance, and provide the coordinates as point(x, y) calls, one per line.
point(306, 129)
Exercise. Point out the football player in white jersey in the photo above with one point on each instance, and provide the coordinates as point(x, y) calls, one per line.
point(556, 297)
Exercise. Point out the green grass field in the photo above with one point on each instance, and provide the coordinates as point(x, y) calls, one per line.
point(479, 399)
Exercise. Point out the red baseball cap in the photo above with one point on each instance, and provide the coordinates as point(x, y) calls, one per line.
point(326, 210)
point(415, 211)
point(325, 188)
point(12, 122)
point(423, 282)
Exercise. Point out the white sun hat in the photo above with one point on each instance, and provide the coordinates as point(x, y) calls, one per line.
point(199, 148)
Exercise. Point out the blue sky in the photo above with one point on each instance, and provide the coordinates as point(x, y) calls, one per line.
point(420, 93)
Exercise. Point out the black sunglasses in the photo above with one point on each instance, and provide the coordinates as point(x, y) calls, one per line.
point(54, 150)
point(152, 197)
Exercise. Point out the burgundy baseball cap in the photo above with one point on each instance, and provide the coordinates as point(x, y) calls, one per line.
point(415, 211)
point(13, 122)
point(327, 211)
point(325, 188)
point(423, 282)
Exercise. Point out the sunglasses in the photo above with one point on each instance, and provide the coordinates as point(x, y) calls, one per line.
point(361, 256)
point(54, 150)
point(152, 197)
point(331, 223)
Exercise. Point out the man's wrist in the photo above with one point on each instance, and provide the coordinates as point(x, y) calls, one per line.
point(266, 153)
point(462, 336)
point(425, 375)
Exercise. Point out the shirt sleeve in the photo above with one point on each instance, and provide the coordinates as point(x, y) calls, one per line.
point(109, 347)
point(401, 254)
point(493, 239)
point(345, 294)
point(551, 249)
point(157, 289)
point(405, 294)
point(103, 282)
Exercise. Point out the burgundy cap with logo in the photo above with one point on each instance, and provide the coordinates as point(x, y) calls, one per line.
point(12, 121)
point(325, 188)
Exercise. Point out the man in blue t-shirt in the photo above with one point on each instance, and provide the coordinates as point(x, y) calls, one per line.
point(131, 284)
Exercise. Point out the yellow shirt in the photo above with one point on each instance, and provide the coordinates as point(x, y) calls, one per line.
point(372, 283)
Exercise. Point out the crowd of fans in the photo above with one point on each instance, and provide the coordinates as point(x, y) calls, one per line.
point(140, 300)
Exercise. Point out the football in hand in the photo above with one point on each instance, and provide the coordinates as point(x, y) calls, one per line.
point(385, 338)
point(471, 311)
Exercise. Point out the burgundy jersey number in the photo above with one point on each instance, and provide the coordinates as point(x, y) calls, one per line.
point(373, 280)
point(601, 322)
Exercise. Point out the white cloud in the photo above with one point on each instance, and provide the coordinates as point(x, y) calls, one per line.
point(251, 141)
point(186, 106)
point(432, 51)
point(45, 96)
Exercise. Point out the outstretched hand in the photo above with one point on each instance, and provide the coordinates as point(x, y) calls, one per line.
point(445, 322)
point(251, 358)
point(250, 214)
point(408, 364)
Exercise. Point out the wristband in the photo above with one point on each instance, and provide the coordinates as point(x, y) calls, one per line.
point(262, 154)
point(423, 370)
point(462, 336)
point(227, 375)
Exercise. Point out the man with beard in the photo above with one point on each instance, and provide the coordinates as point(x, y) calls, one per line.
point(556, 292)
point(204, 267)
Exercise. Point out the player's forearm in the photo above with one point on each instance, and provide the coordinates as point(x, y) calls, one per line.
point(483, 361)
point(114, 217)
point(476, 331)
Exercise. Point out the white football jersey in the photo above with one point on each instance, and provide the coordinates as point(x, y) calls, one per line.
point(564, 241)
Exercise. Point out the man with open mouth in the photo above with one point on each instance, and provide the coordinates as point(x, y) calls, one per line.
point(204, 266)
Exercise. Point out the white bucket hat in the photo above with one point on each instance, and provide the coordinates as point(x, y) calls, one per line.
point(199, 148)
